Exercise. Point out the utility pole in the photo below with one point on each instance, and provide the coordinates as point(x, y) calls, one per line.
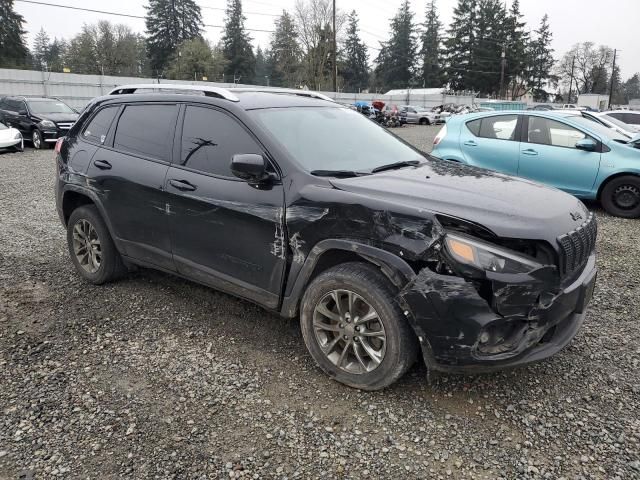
point(613, 71)
point(335, 52)
point(573, 64)
point(503, 63)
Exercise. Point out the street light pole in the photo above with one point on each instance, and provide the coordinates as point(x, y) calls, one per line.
point(573, 64)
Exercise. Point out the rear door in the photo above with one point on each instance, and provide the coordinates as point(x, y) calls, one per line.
point(225, 232)
point(128, 171)
point(548, 155)
point(492, 142)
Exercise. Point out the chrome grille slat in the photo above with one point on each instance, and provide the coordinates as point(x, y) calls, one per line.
point(65, 125)
point(577, 245)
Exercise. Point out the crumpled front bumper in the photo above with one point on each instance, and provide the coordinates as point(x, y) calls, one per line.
point(528, 318)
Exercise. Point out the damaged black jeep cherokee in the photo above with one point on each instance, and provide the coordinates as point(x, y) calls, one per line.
point(307, 208)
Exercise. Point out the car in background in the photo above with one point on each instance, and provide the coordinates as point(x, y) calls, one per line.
point(626, 129)
point(558, 148)
point(630, 117)
point(11, 138)
point(420, 115)
point(542, 107)
point(42, 120)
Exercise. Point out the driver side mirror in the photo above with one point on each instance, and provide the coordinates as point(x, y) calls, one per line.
point(22, 113)
point(586, 144)
point(250, 167)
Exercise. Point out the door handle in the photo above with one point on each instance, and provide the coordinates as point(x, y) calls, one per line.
point(529, 151)
point(182, 185)
point(470, 143)
point(102, 164)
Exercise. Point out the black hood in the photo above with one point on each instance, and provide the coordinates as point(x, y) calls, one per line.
point(508, 206)
point(57, 117)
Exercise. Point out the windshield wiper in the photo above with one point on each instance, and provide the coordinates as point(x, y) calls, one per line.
point(393, 166)
point(338, 173)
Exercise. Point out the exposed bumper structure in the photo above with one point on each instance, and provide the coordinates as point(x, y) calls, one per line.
point(526, 320)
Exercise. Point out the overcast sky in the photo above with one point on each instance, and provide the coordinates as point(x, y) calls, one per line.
point(613, 23)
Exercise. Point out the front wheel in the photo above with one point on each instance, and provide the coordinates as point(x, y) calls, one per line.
point(36, 139)
point(621, 197)
point(354, 329)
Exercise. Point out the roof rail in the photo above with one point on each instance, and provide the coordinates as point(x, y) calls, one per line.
point(176, 87)
point(290, 91)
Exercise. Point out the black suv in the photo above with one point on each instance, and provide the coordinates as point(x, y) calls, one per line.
point(41, 120)
point(308, 208)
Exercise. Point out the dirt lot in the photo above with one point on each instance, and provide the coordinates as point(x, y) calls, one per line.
point(155, 377)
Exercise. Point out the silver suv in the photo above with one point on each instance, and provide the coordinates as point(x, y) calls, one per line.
point(420, 115)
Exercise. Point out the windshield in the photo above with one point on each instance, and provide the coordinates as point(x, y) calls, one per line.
point(329, 138)
point(617, 122)
point(599, 129)
point(49, 106)
point(3, 126)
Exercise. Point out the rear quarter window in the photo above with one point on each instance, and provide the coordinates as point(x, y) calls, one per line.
point(98, 127)
point(474, 127)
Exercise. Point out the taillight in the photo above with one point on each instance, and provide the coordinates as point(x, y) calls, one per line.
point(59, 145)
point(441, 134)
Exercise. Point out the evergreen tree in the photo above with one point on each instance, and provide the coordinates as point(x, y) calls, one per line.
point(285, 53)
point(13, 50)
point(194, 60)
point(355, 65)
point(632, 88)
point(517, 66)
point(262, 74)
point(460, 44)
point(484, 76)
point(236, 44)
point(541, 57)
point(169, 23)
point(431, 74)
point(55, 55)
point(618, 87)
point(397, 58)
point(40, 51)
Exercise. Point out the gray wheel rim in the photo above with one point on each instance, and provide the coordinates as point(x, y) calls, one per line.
point(349, 332)
point(36, 139)
point(86, 246)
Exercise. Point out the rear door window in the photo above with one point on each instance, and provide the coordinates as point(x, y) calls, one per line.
point(146, 130)
point(210, 139)
point(97, 129)
point(631, 118)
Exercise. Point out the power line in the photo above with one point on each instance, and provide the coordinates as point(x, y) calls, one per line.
point(118, 14)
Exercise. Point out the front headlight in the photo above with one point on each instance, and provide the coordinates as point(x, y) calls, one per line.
point(17, 136)
point(48, 124)
point(487, 257)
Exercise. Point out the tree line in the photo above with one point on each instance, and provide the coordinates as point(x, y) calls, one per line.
point(487, 49)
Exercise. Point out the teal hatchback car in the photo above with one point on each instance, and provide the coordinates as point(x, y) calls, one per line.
point(561, 149)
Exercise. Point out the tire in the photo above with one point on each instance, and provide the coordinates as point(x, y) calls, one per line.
point(37, 140)
point(369, 288)
point(423, 121)
point(86, 222)
point(621, 196)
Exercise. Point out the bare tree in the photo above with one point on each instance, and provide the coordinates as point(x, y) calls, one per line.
point(314, 19)
point(590, 65)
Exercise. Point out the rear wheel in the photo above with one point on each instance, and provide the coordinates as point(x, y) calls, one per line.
point(424, 121)
point(91, 247)
point(353, 328)
point(621, 196)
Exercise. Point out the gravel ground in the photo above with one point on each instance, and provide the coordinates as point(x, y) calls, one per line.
point(156, 377)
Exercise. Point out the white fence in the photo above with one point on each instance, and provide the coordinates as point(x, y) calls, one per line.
point(77, 90)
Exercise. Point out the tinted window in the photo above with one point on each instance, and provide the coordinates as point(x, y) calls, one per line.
point(98, 127)
point(619, 116)
point(14, 105)
point(474, 127)
point(210, 138)
point(146, 130)
point(631, 118)
point(544, 131)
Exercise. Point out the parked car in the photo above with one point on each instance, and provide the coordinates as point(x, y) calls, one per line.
point(10, 138)
point(544, 107)
point(307, 208)
point(419, 115)
point(561, 149)
point(608, 121)
point(629, 117)
point(41, 120)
